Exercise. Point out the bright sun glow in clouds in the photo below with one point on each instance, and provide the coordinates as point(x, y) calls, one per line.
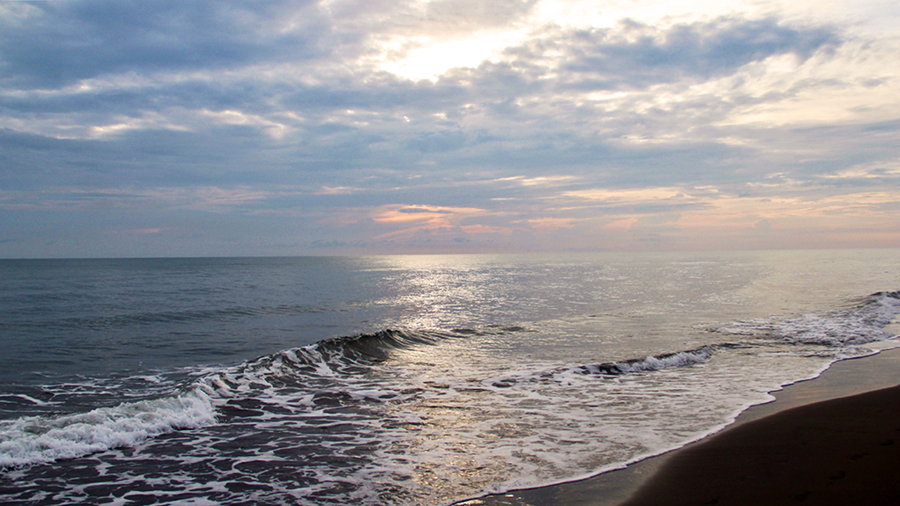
point(434, 58)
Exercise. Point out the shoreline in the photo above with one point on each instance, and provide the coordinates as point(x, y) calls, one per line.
point(844, 380)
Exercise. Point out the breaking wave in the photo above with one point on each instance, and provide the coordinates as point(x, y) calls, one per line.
point(858, 325)
point(651, 363)
point(38, 439)
point(326, 373)
point(347, 371)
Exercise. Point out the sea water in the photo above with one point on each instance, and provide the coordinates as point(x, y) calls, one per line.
point(415, 380)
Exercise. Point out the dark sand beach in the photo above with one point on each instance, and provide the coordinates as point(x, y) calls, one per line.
point(832, 440)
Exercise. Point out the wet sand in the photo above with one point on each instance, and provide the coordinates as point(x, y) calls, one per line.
point(838, 452)
point(832, 440)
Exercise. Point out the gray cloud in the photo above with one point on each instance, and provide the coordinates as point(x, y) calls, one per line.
point(52, 44)
point(635, 55)
point(273, 116)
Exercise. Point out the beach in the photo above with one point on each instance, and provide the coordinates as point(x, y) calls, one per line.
point(831, 440)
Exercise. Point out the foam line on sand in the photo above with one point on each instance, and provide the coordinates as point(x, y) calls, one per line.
point(831, 440)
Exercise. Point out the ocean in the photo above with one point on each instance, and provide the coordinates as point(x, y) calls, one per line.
point(402, 380)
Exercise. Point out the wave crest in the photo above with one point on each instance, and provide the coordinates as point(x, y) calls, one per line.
point(34, 440)
point(651, 363)
point(857, 325)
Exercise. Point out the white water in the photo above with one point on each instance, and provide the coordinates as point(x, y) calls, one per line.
point(36, 439)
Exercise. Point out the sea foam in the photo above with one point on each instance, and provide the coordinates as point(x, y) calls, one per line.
point(854, 326)
point(42, 439)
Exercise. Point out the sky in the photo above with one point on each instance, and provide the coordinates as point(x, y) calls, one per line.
point(156, 128)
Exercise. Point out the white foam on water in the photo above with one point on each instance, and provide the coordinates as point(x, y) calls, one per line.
point(31, 399)
point(856, 326)
point(652, 363)
point(677, 360)
point(42, 439)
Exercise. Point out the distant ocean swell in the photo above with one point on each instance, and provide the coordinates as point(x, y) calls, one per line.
point(226, 314)
point(335, 400)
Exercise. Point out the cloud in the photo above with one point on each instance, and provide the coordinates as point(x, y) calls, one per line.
point(414, 219)
point(52, 44)
point(284, 118)
point(635, 55)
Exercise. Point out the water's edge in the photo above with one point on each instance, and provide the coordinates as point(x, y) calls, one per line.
point(843, 378)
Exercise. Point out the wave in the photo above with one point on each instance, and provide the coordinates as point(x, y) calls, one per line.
point(343, 356)
point(370, 348)
point(858, 325)
point(650, 363)
point(311, 370)
point(35, 440)
point(352, 355)
point(330, 372)
point(337, 372)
